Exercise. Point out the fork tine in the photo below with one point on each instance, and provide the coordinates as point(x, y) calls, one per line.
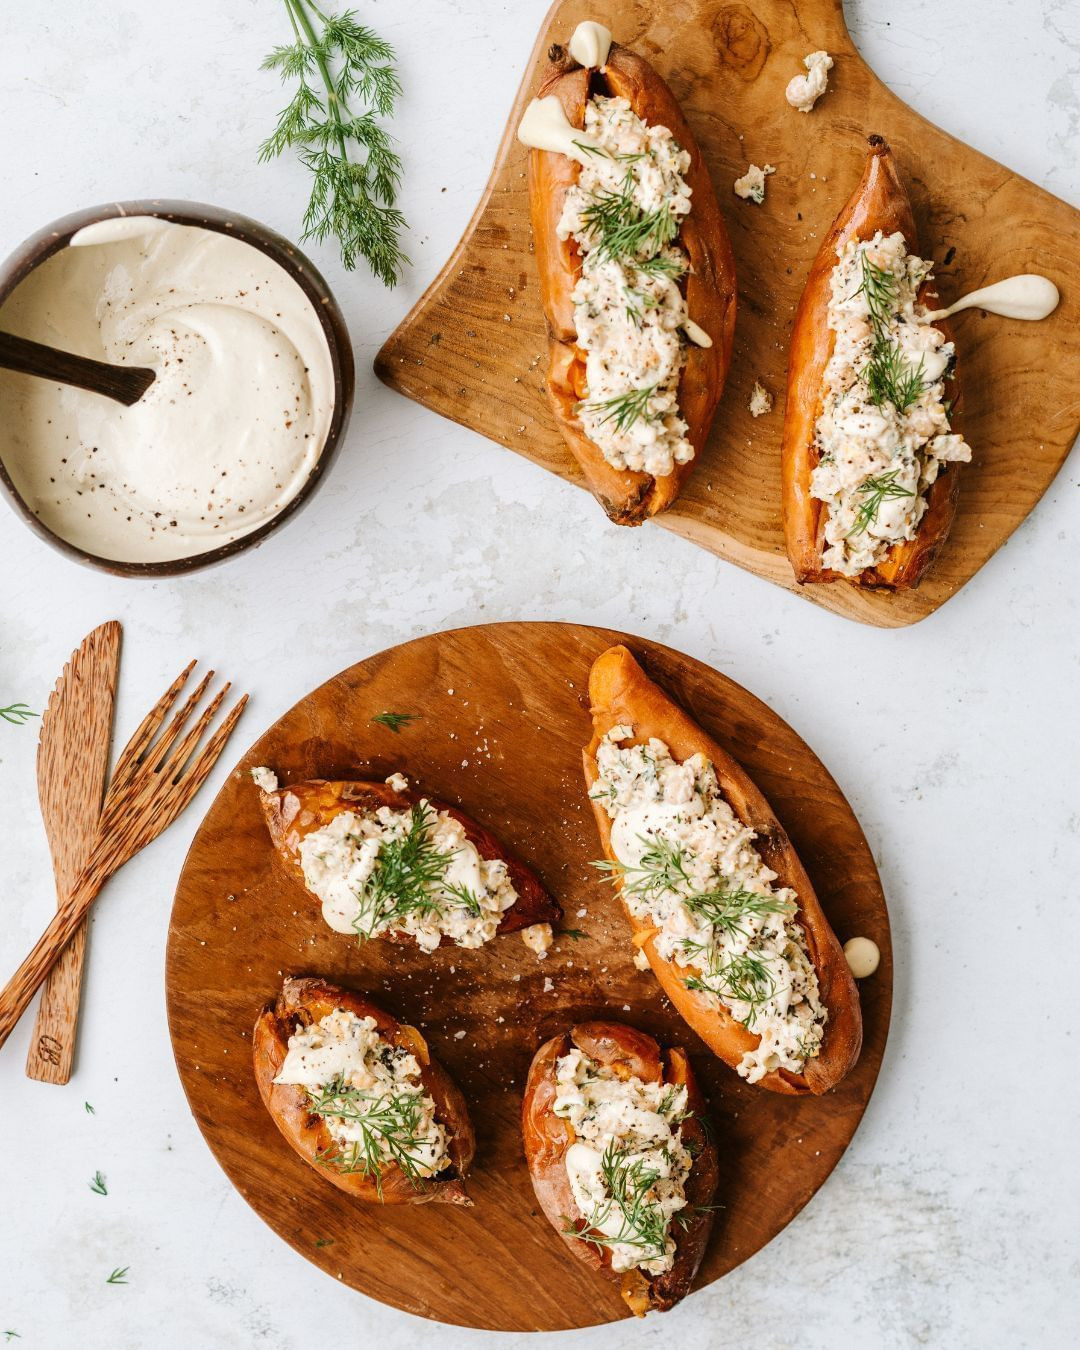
point(156, 753)
point(144, 732)
point(173, 767)
point(181, 791)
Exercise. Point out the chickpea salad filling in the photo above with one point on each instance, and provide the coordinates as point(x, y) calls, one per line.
point(688, 865)
point(411, 871)
point(632, 322)
point(628, 1166)
point(884, 434)
point(370, 1095)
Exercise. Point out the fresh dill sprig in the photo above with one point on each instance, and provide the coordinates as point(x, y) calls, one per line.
point(394, 721)
point(622, 230)
point(574, 934)
point(726, 908)
point(336, 60)
point(642, 1223)
point(662, 265)
point(889, 376)
point(407, 879)
point(98, 1185)
point(597, 151)
point(16, 714)
point(88, 1109)
point(874, 491)
point(661, 867)
point(743, 978)
point(119, 1276)
point(389, 1126)
point(624, 409)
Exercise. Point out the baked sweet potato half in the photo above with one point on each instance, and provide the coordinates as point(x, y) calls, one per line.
point(894, 396)
point(694, 848)
point(296, 813)
point(629, 1197)
point(404, 1116)
point(661, 264)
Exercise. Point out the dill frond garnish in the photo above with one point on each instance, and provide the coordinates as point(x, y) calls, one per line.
point(888, 375)
point(337, 61)
point(642, 1223)
point(624, 409)
point(874, 491)
point(389, 1126)
point(622, 229)
point(743, 978)
point(16, 713)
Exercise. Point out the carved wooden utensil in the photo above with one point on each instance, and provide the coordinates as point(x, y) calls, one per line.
point(123, 384)
point(72, 764)
point(151, 785)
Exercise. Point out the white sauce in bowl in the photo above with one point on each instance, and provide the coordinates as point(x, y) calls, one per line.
point(226, 435)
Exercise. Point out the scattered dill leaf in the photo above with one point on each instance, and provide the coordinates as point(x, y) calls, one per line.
point(98, 1185)
point(394, 721)
point(574, 934)
point(119, 1276)
point(874, 491)
point(88, 1109)
point(16, 713)
point(624, 409)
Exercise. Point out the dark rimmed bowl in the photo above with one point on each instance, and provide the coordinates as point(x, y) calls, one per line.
point(31, 254)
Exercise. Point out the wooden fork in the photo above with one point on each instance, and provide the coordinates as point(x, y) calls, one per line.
point(152, 783)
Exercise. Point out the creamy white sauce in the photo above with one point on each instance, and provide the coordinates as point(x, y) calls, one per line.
point(688, 866)
point(345, 1052)
point(544, 126)
point(862, 956)
point(803, 91)
point(590, 44)
point(1026, 296)
point(226, 435)
point(877, 461)
point(264, 779)
point(464, 894)
point(628, 1134)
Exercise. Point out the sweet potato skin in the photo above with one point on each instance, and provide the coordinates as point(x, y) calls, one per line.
point(630, 498)
point(547, 1137)
point(880, 202)
point(298, 810)
point(303, 1001)
point(621, 692)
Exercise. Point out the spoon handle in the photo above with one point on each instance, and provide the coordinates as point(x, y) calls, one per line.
point(125, 384)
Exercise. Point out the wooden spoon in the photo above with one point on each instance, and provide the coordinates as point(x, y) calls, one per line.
point(125, 384)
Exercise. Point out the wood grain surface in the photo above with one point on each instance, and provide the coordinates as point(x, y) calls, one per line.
point(475, 347)
point(72, 764)
point(502, 718)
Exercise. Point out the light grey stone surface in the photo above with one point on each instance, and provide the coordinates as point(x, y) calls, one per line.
point(952, 1221)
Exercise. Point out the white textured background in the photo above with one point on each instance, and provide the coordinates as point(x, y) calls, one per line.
point(952, 1221)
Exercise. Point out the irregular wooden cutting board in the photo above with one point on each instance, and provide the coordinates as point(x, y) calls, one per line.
point(503, 716)
point(475, 347)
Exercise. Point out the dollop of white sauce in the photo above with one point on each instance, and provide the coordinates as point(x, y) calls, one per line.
point(751, 186)
point(264, 779)
point(590, 44)
point(862, 956)
point(545, 126)
point(230, 429)
point(803, 91)
point(1026, 296)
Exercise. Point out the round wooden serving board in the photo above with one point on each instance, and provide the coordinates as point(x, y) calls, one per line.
point(475, 348)
point(503, 717)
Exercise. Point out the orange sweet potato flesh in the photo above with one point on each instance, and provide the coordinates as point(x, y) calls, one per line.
point(630, 498)
point(621, 693)
point(303, 1001)
point(547, 1137)
point(880, 202)
point(301, 808)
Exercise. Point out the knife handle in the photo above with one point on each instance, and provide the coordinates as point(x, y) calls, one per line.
point(24, 984)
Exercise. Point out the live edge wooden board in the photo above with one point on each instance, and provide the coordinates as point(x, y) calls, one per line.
point(503, 718)
point(475, 349)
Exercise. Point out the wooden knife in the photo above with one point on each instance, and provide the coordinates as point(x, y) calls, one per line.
point(72, 766)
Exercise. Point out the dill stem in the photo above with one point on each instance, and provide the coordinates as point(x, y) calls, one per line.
point(296, 7)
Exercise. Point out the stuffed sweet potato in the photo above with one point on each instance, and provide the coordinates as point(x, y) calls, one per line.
point(358, 1096)
point(385, 861)
point(637, 277)
point(871, 448)
point(634, 1201)
point(715, 895)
